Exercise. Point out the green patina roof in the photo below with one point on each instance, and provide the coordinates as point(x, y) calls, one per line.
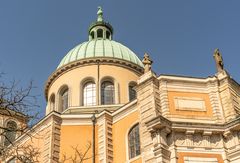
point(100, 48)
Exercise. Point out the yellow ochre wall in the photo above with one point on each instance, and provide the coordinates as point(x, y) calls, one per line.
point(189, 113)
point(38, 141)
point(120, 132)
point(80, 136)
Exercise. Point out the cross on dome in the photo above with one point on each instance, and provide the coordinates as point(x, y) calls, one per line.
point(100, 29)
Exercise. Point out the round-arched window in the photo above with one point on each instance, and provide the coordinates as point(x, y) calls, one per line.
point(108, 35)
point(107, 93)
point(52, 102)
point(134, 142)
point(89, 94)
point(63, 99)
point(10, 134)
point(99, 33)
point(131, 91)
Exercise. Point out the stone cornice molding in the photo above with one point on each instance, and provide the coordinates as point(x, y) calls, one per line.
point(187, 78)
point(92, 109)
point(150, 75)
point(160, 122)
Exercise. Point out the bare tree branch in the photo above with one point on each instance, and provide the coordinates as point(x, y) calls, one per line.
point(19, 105)
point(79, 155)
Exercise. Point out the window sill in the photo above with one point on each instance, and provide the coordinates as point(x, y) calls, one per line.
point(134, 159)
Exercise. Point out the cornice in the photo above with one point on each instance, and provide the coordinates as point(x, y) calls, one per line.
point(91, 61)
point(187, 78)
point(162, 122)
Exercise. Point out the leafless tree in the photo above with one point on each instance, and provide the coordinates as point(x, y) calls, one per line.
point(22, 153)
point(16, 103)
point(79, 155)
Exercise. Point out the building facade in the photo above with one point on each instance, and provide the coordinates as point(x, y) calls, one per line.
point(106, 104)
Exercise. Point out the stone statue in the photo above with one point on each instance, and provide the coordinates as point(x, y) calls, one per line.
point(147, 63)
point(218, 59)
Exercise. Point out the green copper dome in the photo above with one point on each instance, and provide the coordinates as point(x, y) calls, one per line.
point(100, 48)
point(100, 45)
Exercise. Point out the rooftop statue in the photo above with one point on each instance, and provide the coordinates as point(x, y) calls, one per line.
point(147, 63)
point(219, 61)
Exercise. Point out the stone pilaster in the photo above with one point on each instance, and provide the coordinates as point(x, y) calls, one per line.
point(161, 151)
point(164, 98)
point(149, 107)
point(51, 138)
point(226, 96)
point(160, 129)
point(105, 141)
point(55, 139)
point(215, 101)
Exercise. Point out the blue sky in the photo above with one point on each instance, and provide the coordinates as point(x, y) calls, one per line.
point(180, 36)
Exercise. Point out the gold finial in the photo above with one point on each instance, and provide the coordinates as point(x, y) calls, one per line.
point(100, 14)
point(147, 63)
point(218, 59)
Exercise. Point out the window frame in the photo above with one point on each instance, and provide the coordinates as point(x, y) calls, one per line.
point(99, 33)
point(6, 141)
point(52, 102)
point(108, 35)
point(93, 93)
point(104, 95)
point(63, 91)
point(135, 155)
point(131, 89)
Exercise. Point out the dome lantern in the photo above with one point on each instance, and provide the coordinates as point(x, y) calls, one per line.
point(101, 46)
point(100, 29)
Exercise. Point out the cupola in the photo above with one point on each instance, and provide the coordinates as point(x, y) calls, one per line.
point(100, 29)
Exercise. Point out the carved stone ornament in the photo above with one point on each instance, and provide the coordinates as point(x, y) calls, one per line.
point(180, 139)
point(147, 63)
point(198, 140)
point(218, 59)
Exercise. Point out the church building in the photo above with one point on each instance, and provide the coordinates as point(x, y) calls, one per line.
point(106, 105)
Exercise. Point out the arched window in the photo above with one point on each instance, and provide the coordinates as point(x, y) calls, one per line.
point(134, 142)
point(63, 99)
point(52, 102)
point(12, 160)
point(99, 33)
point(10, 134)
point(132, 92)
point(107, 93)
point(92, 34)
point(108, 35)
point(89, 94)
